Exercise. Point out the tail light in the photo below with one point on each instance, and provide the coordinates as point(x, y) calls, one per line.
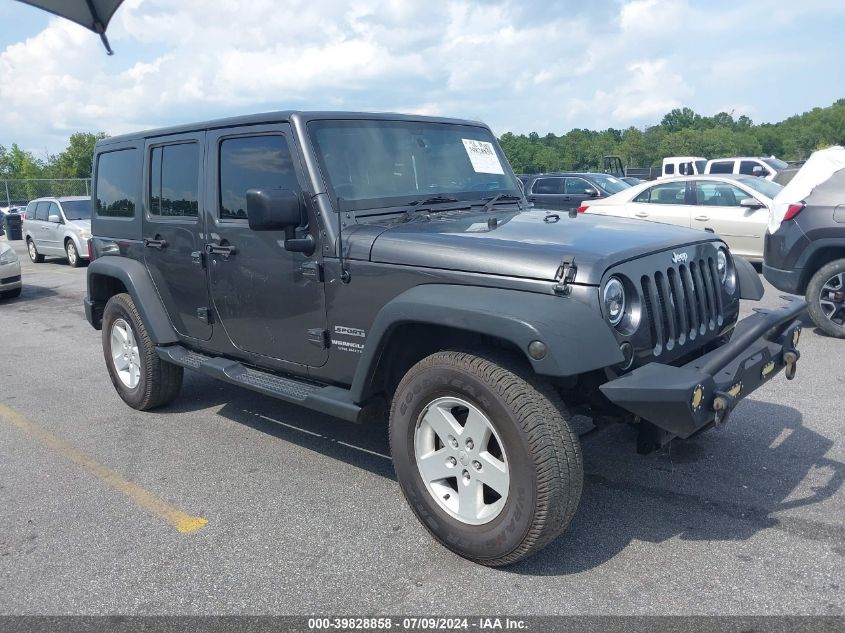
point(583, 208)
point(90, 250)
point(793, 210)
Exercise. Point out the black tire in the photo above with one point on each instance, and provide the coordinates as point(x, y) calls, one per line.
point(544, 454)
point(814, 307)
point(10, 294)
point(159, 382)
point(72, 253)
point(34, 255)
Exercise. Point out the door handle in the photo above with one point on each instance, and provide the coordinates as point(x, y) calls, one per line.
point(641, 214)
point(532, 199)
point(224, 250)
point(158, 244)
point(702, 218)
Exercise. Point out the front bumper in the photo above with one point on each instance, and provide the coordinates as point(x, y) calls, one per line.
point(683, 400)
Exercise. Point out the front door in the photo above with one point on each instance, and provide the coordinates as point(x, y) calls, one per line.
point(718, 210)
point(173, 230)
point(665, 202)
point(53, 231)
point(269, 300)
point(576, 191)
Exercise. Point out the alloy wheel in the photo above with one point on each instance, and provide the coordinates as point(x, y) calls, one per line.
point(125, 353)
point(832, 299)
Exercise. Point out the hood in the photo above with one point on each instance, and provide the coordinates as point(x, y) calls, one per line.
point(82, 224)
point(524, 244)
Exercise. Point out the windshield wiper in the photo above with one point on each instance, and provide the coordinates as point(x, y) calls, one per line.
point(491, 202)
point(432, 200)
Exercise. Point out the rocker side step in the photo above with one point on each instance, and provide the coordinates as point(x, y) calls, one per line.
point(323, 398)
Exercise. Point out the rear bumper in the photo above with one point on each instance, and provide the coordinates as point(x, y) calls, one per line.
point(683, 400)
point(785, 280)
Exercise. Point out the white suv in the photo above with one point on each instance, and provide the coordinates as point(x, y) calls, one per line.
point(766, 168)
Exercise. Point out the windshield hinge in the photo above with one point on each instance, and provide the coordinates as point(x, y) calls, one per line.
point(565, 275)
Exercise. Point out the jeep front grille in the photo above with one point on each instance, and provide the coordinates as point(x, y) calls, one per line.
point(682, 302)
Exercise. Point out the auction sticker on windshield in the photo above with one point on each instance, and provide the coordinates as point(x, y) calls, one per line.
point(483, 157)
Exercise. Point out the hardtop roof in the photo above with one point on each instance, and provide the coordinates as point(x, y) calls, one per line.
point(280, 116)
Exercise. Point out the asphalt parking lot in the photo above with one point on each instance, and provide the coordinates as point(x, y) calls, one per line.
point(304, 515)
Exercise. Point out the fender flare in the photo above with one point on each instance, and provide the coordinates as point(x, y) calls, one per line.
point(135, 278)
point(576, 336)
point(750, 286)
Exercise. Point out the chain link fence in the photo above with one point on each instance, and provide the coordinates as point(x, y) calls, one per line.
point(19, 192)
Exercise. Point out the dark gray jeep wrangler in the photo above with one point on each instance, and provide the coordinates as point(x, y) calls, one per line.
point(353, 262)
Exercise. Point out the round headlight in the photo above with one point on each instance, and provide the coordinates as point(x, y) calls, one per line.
point(614, 300)
point(722, 265)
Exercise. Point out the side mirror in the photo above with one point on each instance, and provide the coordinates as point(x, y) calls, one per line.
point(751, 203)
point(279, 210)
point(57, 219)
point(593, 193)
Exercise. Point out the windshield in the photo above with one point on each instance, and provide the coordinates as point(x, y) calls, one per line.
point(766, 187)
point(776, 163)
point(376, 164)
point(77, 209)
point(609, 183)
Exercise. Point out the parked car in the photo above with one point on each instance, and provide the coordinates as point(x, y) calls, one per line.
point(805, 244)
point(760, 167)
point(682, 166)
point(60, 227)
point(568, 190)
point(349, 262)
point(10, 272)
point(737, 209)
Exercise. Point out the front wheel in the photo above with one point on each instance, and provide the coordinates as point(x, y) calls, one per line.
point(485, 456)
point(72, 254)
point(826, 298)
point(141, 378)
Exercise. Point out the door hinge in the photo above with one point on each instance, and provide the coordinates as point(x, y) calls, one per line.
point(312, 270)
point(319, 337)
point(204, 315)
point(565, 275)
point(198, 257)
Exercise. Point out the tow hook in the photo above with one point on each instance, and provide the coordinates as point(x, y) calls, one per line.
point(790, 359)
point(723, 404)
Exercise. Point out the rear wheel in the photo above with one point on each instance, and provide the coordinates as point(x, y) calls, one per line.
point(72, 254)
point(141, 378)
point(826, 298)
point(485, 456)
point(34, 255)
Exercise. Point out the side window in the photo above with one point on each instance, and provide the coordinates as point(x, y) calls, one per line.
point(30, 210)
point(577, 186)
point(53, 209)
point(252, 162)
point(668, 169)
point(748, 168)
point(41, 211)
point(722, 167)
point(685, 169)
point(547, 186)
point(718, 194)
point(116, 184)
point(174, 180)
point(668, 193)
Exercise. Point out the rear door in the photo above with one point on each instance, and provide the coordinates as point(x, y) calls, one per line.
point(269, 300)
point(173, 230)
point(547, 193)
point(665, 202)
point(39, 226)
point(718, 210)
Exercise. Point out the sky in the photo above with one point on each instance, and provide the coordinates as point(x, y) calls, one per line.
point(518, 65)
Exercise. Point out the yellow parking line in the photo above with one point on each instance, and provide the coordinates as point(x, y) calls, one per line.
point(183, 522)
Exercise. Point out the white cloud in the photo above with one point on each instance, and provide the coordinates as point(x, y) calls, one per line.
point(520, 65)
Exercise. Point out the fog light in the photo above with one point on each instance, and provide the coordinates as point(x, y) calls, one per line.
point(537, 350)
